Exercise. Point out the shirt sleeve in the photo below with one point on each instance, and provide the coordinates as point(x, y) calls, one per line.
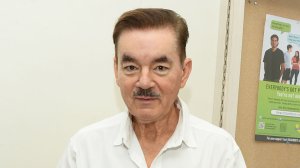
point(236, 161)
point(282, 57)
point(239, 161)
point(264, 59)
point(68, 159)
point(235, 157)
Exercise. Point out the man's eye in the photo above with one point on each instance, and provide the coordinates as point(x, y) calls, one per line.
point(161, 69)
point(130, 68)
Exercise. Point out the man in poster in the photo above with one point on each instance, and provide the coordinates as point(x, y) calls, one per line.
point(273, 61)
point(288, 64)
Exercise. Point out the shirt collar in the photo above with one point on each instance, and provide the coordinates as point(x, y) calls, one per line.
point(182, 134)
point(126, 131)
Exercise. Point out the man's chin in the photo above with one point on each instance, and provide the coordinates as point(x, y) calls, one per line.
point(144, 118)
point(145, 113)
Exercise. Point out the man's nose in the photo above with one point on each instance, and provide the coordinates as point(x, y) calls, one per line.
point(145, 80)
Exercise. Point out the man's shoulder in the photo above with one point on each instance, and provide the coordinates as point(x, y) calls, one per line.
point(102, 127)
point(208, 135)
point(202, 127)
point(279, 52)
point(268, 51)
point(287, 55)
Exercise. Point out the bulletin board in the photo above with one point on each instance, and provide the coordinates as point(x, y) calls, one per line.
point(259, 154)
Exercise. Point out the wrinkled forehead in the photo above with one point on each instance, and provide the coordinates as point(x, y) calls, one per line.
point(143, 31)
point(147, 42)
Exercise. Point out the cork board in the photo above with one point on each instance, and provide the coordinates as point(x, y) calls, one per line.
point(260, 154)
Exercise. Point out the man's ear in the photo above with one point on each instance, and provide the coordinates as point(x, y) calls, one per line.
point(186, 69)
point(116, 69)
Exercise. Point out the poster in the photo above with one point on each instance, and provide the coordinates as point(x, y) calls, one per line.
point(278, 107)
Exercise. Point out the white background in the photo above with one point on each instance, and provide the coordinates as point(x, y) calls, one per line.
point(56, 70)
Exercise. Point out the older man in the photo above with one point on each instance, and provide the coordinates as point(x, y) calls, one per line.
point(157, 131)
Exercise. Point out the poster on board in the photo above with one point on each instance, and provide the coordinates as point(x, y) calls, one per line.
point(278, 107)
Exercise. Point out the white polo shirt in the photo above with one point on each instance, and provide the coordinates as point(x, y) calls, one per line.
point(112, 143)
point(287, 60)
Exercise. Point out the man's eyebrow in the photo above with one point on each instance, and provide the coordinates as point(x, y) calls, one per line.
point(127, 58)
point(162, 59)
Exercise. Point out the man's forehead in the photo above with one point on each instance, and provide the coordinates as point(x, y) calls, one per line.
point(148, 45)
point(148, 29)
point(274, 38)
point(159, 31)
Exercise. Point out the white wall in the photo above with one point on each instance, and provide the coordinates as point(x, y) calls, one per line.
point(56, 70)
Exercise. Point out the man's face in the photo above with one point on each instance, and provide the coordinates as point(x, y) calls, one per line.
point(149, 73)
point(274, 42)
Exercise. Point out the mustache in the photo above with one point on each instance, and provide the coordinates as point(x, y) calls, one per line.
point(145, 92)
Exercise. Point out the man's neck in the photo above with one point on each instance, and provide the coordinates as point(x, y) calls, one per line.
point(153, 136)
point(274, 49)
point(154, 130)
